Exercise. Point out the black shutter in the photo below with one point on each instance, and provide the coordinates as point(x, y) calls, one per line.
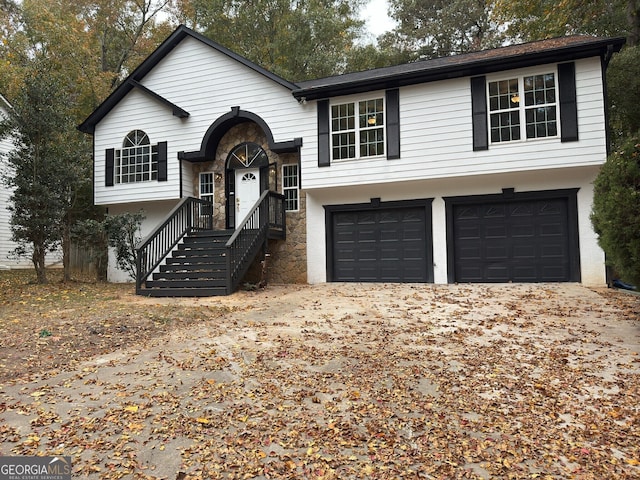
point(479, 114)
point(109, 164)
point(162, 161)
point(231, 199)
point(568, 104)
point(393, 124)
point(324, 154)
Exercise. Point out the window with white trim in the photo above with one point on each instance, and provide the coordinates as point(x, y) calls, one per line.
point(290, 187)
point(206, 186)
point(357, 129)
point(137, 160)
point(523, 108)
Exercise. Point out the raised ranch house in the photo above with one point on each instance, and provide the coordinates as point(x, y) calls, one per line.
point(471, 168)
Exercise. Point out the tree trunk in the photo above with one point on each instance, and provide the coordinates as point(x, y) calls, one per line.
point(38, 257)
point(101, 266)
point(633, 17)
point(66, 251)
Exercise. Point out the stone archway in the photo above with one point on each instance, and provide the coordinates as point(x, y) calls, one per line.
point(288, 258)
point(217, 164)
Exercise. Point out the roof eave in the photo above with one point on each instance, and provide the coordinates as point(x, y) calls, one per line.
point(477, 67)
point(89, 124)
point(5, 102)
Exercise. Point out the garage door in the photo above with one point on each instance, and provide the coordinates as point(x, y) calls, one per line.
point(515, 240)
point(386, 244)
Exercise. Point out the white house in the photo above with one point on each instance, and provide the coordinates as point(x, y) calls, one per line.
point(471, 168)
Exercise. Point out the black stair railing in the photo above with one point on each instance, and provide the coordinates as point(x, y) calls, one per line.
point(266, 219)
point(191, 214)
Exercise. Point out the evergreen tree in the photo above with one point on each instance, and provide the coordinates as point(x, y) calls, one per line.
point(616, 210)
point(623, 87)
point(46, 168)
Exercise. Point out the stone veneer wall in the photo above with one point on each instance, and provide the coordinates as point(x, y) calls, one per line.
point(288, 258)
point(288, 261)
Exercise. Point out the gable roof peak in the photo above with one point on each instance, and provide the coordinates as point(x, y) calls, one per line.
point(167, 46)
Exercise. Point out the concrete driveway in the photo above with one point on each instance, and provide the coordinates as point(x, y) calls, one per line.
point(342, 381)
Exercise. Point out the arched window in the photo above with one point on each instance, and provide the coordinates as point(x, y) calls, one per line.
point(137, 161)
point(247, 155)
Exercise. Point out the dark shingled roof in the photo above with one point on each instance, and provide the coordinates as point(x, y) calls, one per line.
point(468, 64)
point(477, 63)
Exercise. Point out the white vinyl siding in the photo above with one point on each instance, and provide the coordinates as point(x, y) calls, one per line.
point(591, 256)
point(154, 213)
point(137, 110)
point(207, 84)
point(436, 137)
point(216, 83)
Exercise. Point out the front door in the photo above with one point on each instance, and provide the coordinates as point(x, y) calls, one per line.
point(247, 191)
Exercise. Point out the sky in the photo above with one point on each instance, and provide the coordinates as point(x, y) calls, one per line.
point(375, 14)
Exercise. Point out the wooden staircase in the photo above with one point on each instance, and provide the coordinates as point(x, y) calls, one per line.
point(185, 257)
point(197, 267)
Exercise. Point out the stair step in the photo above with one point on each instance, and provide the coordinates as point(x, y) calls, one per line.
point(193, 269)
point(197, 260)
point(187, 283)
point(193, 275)
point(218, 247)
point(212, 241)
point(198, 253)
point(183, 292)
point(210, 233)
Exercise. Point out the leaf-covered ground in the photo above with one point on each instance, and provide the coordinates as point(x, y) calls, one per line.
point(47, 328)
point(335, 381)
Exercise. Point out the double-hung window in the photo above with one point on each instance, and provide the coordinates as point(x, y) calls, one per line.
point(137, 160)
point(357, 129)
point(290, 187)
point(523, 108)
point(206, 190)
point(206, 186)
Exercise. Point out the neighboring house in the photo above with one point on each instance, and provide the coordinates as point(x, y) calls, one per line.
point(5, 193)
point(7, 245)
point(7, 260)
point(471, 168)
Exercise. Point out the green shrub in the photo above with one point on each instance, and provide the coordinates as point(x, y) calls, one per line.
point(121, 232)
point(616, 210)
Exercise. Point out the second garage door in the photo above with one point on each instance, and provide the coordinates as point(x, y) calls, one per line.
point(390, 243)
point(514, 240)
